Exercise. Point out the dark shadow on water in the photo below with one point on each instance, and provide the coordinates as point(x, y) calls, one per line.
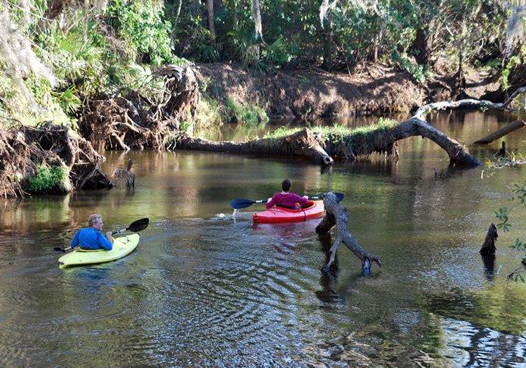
point(489, 266)
point(328, 280)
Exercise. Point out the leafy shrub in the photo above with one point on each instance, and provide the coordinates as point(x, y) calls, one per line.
point(245, 114)
point(46, 178)
point(141, 23)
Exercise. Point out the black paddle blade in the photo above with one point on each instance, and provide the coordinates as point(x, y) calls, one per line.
point(139, 225)
point(241, 203)
point(59, 249)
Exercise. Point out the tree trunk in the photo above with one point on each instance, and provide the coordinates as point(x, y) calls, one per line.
point(302, 143)
point(511, 127)
point(328, 45)
point(211, 25)
point(256, 14)
point(338, 216)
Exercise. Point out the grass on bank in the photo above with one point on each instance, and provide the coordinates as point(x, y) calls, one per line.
point(340, 132)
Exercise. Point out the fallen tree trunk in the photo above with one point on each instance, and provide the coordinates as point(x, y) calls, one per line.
point(302, 143)
point(384, 141)
point(511, 127)
point(338, 216)
point(472, 103)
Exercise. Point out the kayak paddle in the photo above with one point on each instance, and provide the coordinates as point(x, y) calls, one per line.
point(244, 203)
point(134, 227)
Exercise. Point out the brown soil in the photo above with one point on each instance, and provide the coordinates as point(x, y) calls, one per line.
point(312, 93)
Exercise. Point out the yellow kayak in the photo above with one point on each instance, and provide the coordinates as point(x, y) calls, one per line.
point(81, 257)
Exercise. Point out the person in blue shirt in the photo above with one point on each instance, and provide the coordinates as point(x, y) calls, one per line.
point(91, 237)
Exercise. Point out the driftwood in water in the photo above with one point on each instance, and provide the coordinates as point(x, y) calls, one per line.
point(306, 143)
point(337, 216)
point(322, 149)
point(511, 127)
point(302, 143)
point(488, 248)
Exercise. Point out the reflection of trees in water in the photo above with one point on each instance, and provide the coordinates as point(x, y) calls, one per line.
point(39, 212)
point(483, 327)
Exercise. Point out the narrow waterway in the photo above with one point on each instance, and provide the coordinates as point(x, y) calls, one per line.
point(206, 289)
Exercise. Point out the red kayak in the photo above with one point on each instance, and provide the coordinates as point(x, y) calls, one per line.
point(310, 210)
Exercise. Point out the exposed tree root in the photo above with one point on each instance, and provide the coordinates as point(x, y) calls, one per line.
point(136, 122)
point(23, 148)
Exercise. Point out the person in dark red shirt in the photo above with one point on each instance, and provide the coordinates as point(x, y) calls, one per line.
point(285, 198)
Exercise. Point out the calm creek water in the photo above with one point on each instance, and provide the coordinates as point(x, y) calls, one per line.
point(204, 289)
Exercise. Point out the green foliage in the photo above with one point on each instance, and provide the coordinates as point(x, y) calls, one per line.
point(245, 114)
point(503, 215)
point(410, 66)
point(341, 132)
point(512, 63)
point(209, 113)
point(142, 25)
point(518, 197)
point(46, 178)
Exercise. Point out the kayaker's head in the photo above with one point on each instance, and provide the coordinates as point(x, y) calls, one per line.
point(286, 185)
point(95, 221)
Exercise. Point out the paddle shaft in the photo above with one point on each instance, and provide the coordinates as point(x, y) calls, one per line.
point(244, 203)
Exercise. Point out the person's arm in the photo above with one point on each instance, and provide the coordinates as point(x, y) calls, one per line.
point(299, 199)
point(272, 202)
point(75, 240)
point(104, 242)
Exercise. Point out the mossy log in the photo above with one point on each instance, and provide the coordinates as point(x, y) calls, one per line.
point(302, 143)
point(24, 148)
point(384, 141)
point(338, 217)
point(322, 149)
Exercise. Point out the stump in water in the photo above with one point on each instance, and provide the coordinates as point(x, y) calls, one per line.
point(487, 251)
point(488, 248)
point(125, 174)
point(338, 216)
